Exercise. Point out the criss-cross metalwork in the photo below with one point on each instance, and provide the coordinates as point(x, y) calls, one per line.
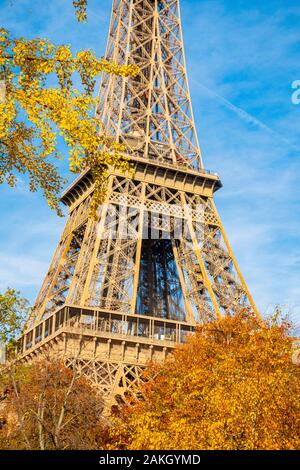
point(152, 112)
point(126, 288)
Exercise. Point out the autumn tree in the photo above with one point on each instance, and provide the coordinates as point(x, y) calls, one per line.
point(45, 405)
point(39, 101)
point(232, 386)
point(14, 311)
point(81, 9)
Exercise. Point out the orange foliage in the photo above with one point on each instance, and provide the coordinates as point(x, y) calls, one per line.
point(232, 386)
point(47, 406)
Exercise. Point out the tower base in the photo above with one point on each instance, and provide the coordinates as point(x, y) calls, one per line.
point(110, 349)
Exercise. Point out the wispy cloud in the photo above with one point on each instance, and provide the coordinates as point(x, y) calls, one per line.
point(20, 271)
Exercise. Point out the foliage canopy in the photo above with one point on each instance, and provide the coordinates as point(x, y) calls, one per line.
point(39, 101)
point(14, 310)
point(232, 386)
point(47, 406)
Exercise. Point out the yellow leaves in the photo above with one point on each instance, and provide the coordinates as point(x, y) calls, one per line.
point(38, 58)
point(85, 56)
point(80, 10)
point(63, 53)
point(20, 50)
point(89, 67)
point(3, 35)
point(25, 66)
point(7, 115)
point(232, 386)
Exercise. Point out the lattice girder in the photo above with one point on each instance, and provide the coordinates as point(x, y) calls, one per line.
point(125, 288)
point(152, 112)
point(101, 261)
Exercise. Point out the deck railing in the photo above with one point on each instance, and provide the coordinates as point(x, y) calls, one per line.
point(94, 321)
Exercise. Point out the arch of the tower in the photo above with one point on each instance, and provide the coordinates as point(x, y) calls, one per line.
point(153, 251)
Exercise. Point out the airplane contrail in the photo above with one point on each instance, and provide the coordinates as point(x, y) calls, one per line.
point(245, 115)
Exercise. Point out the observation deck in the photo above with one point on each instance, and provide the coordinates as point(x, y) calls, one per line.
point(142, 338)
point(204, 182)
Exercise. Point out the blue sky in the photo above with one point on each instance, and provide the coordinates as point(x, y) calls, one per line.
point(242, 59)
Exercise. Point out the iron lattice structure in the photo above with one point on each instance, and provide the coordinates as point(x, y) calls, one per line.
point(113, 302)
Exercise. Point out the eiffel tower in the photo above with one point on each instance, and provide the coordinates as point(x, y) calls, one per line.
point(113, 301)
